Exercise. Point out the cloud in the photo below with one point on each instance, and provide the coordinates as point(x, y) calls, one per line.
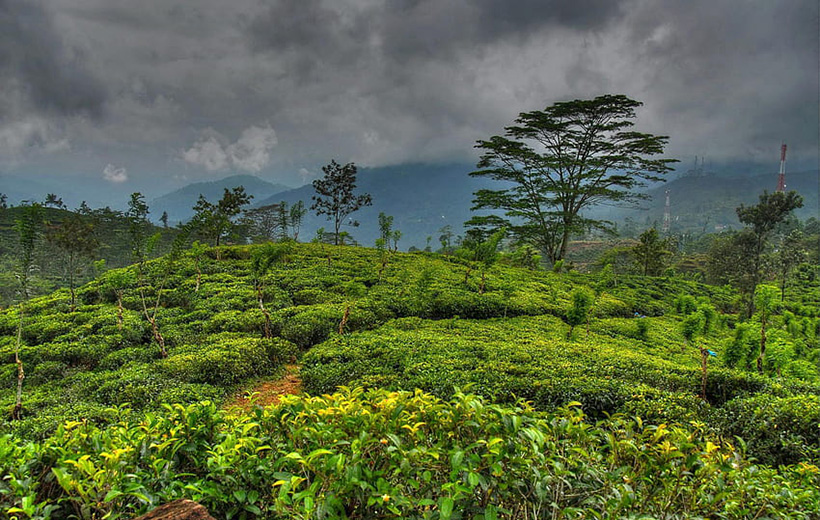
point(207, 152)
point(32, 133)
point(383, 83)
point(36, 61)
point(251, 152)
point(115, 174)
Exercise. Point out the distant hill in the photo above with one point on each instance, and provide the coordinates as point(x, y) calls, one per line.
point(179, 203)
point(708, 203)
point(421, 198)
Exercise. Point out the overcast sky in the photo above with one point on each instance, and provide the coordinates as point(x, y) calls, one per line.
point(150, 94)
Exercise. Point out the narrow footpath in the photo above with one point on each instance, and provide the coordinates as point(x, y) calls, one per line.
point(268, 392)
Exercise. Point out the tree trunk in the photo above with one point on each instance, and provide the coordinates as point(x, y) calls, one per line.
point(482, 285)
point(158, 337)
point(17, 412)
point(704, 362)
point(564, 243)
point(762, 354)
point(467, 275)
point(267, 328)
point(345, 317)
point(198, 278)
point(119, 310)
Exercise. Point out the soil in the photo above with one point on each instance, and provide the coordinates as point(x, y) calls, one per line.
point(269, 392)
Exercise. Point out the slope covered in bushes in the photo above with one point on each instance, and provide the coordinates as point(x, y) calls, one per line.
point(362, 317)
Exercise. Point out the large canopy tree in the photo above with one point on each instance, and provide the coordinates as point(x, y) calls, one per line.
point(556, 162)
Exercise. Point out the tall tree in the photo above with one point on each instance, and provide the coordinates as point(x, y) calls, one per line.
point(29, 227)
point(650, 252)
point(558, 161)
point(334, 195)
point(262, 223)
point(77, 241)
point(297, 215)
point(216, 220)
point(762, 219)
point(138, 226)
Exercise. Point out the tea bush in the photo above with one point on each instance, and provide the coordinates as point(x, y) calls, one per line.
point(393, 455)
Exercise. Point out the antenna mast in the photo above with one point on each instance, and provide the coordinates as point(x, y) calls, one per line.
point(666, 216)
point(781, 179)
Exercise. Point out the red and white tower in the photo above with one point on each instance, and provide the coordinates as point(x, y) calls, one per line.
point(781, 179)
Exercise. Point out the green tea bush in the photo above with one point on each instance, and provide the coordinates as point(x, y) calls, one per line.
point(226, 361)
point(394, 455)
point(778, 430)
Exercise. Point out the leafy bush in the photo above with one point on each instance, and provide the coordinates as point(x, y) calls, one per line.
point(778, 430)
point(393, 455)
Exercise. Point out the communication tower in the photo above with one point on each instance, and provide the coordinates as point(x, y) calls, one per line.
point(781, 178)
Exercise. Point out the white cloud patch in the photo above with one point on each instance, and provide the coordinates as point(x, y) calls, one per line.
point(251, 152)
point(115, 174)
point(208, 153)
point(30, 134)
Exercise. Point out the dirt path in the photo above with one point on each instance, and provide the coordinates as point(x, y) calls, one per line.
point(269, 392)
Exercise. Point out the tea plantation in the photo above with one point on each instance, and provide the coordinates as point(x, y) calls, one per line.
point(123, 395)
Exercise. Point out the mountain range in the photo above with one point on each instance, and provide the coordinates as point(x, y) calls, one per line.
point(179, 203)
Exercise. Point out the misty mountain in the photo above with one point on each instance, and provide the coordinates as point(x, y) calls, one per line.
point(422, 199)
point(707, 203)
point(179, 203)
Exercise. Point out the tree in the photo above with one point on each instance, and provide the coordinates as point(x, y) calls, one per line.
point(54, 200)
point(262, 259)
point(385, 228)
point(4, 201)
point(76, 239)
point(334, 195)
point(790, 255)
point(650, 253)
point(578, 314)
point(216, 220)
point(761, 220)
point(138, 226)
point(561, 160)
point(29, 226)
point(766, 303)
point(164, 219)
point(297, 215)
point(262, 223)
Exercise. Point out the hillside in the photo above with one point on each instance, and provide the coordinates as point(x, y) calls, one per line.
point(179, 203)
point(422, 199)
point(432, 327)
point(707, 204)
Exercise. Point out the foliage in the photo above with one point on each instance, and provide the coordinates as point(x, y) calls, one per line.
point(590, 155)
point(334, 195)
point(394, 455)
point(761, 220)
point(650, 253)
point(216, 220)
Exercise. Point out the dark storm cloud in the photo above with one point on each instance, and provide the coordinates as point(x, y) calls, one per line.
point(34, 61)
point(382, 82)
point(405, 29)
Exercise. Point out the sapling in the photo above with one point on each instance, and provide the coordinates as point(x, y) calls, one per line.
point(262, 259)
point(578, 314)
point(766, 301)
point(29, 228)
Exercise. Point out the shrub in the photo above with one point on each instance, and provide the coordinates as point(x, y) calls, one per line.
point(777, 430)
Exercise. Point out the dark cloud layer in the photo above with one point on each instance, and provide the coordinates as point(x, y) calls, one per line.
point(34, 60)
point(178, 88)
